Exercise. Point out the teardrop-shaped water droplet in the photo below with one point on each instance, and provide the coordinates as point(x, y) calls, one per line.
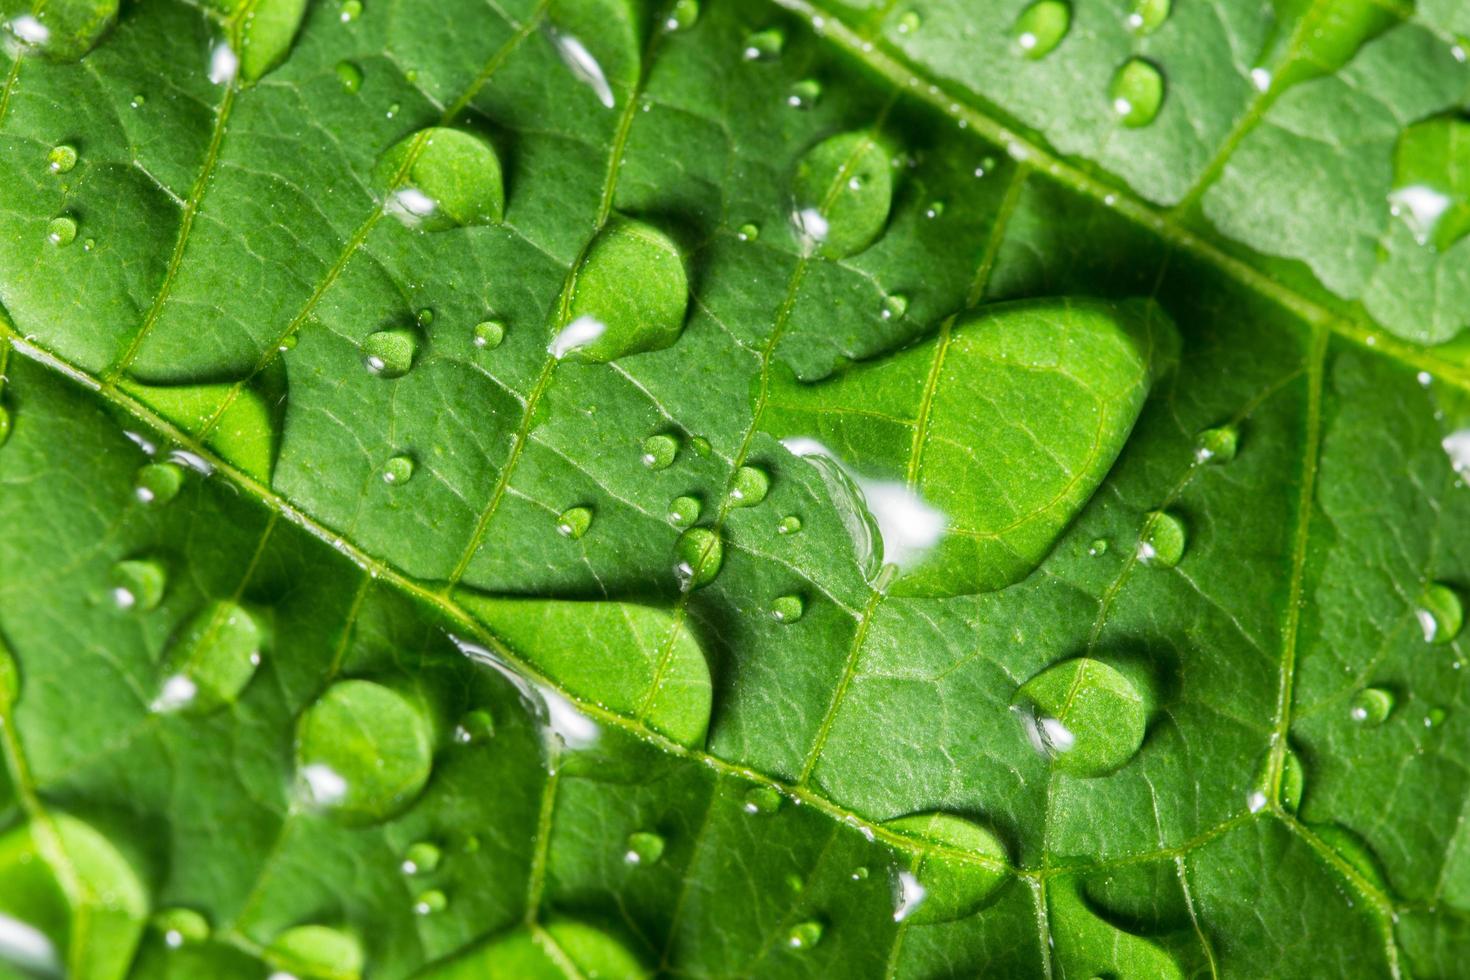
point(659, 451)
point(1371, 706)
point(363, 751)
point(210, 660)
point(683, 511)
point(1148, 16)
point(179, 926)
point(62, 230)
point(489, 334)
point(765, 45)
point(1217, 445)
point(421, 859)
point(698, 555)
point(843, 191)
point(643, 848)
point(158, 483)
point(430, 902)
point(787, 608)
point(138, 584)
point(1136, 93)
point(748, 232)
point(1440, 613)
point(683, 15)
point(349, 75)
point(1162, 540)
point(390, 353)
point(750, 486)
point(574, 522)
point(942, 885)
point(1085, 715)
point(761, 800)
point(61, 159)
point(701, 446)
point(804, 94)
point(1041, 27)
point(1431, 187)
point(804, 935)
point(895, 305)
point(315, 951)
point(477, 725)
point(398, 470)
point(442, 178)
point(790, 524)
point(630, 296)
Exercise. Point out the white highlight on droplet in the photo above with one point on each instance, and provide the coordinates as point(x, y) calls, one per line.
point(27, 947)
point(178, 692)
point(1255, 801)
point(584, 67)
point(1457, 446)
point(910, 896)
point(1420, 207)
point(811, 224)
point(562, 724)
point(192, 461)
point(224, 64)
point(410, 205)
point(324, 785)
point(29, 29)
point(579, 333)
point(1261, 79)
point(1427, 623)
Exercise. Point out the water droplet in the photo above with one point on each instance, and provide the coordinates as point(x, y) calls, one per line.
point(1084, 715)
point(1435, 717)
point(158, 483)
point(138, 584)
point(748, 232)
point(831, 214)
point(1098, 546)
point(138, 101)
point(421, 859)
point(787, 609)
point(477, 725)
point(349, 11)
point(62, 230)
point(698, 554)
point(1041, 27)
point(441, 178)
point(934, 210)
point(1440, 613)
point(63, 31)
point(424, 317)
point(683, 15)
point(630, 296)
point(430, 902)
point(947, 882)
point(315, 951)
point(659, 451)
point(860, 873)
point(1431, 192)
point(5, 424)
point(390, 353)
point(1293, 781)
point(224, 64)
point(1148, 16)
point(909, 22)
point(701, 446)
point(407, 206)
point(398, 470)
point(804, 94)
point(210, 660)
point(644, 848)
point(61, 159)
point(1136, 92)
point(1163, 539)
point(790, 524)
point(363, 751)
point(179, 926)
point(750, 486)
point(895, 305)
point(765, 45)
point(574, 522)
point(804, 935)
point(683, 511)
point(1217, 445)
point(349, 75)
point(1371, 706)
point(761, 800)
point(489, 334)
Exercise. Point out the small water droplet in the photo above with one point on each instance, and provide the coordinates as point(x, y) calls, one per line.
point(659, 451)
point(574, 522)
point(390, 353)
point(790, 524)
point(430, 902)
point(211, 660)
point(421, 859)
point(489, 334)
point(1217, 445)
point(787, 609)
point(698, 555)
point(644, 848)
point(701, 446)
point(393, 111)
point(398, 470)
point(1136, 93)
point(6, 424)
point(1435, 717)
point(909, 22)
point(349, 11)
point(62, 230)
point(61, 159)
point(804, 94)
point(1371, 706)
point(683, 511)
point(424, 316)
point(934, 210)
point(1098, 546)
point(349, 75)
point(180, 925)
point(1440, 613)
point(138, 584)
point(764, 45)
point(158, 483)
point(804, 935)
point(476, 725)
point(860, 873)
point(895, 305)
point(684, 15)
point(750, 486)
point(761, 800)
point(1163, 539)
point(748, 232)
point(138, 101)
point(1041, 27)
point(1148, 16)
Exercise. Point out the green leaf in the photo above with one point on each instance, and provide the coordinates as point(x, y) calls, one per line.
point(801, 488)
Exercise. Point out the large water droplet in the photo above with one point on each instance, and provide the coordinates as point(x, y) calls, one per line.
point(804, 935)
point(1440, 613)
point(574, 522)
point(398, 470)
point(1136, 92)
point(947, 881)
point(765, 45)
point(556, 948)
point(442, 178)
point(1148, 16)
point(158, 483)
point(632, 287)
point(750, 486)
point(363, 751)
point(421, 858)
point(1162, 539)
point(61, 159)
point(1041, 27)
point(643, 848)
point(790, 524)
point(316, 951)
point(698, 555)
point(265, 33)
point(390, 353)
point(1371, 706)
point(683, 511)
point(843, 191)
point(1087, 945)
point(61, 231)
point(1084, 715)
point(138, 584)
point(1431, 192)
point(211, 659)
point(659, 451)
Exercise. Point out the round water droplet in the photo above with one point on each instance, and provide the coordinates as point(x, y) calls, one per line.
point(1136, 92)
point(804, 94)
point(363, 751)
point(1083, 714)
point(138, 101)
point(1440, 613)
point(62, 230)
point(179, 926)
point(158, 483)
point(860, 873)
point(934, 210)
point(748, 232)
point(1163, 539)
point(1217, 445)
point(631, 295)
point(683, 15)
point(349, 11)
point(765, 45)
point(477, 725)
point(574, 522)
point(489, 334)
point(698, 555)
point(1148, 16)
point(442, 178)
point(421, 859)
point(750, 486)
point(895, 305)
point(948, 882)
point(843, 191)
point(430, 902)
point(315, 951)
point(1371, 706)
point(804, 935)
point(659, 451)
point(761, 800)
point(644, 848)
point(1098, 546)
point(683, 511)
point(349, 75)
point(398, 470)
point(210, 660)
point(1435, 717)
point(790, 524)
point(424, 317)
point(1041, 27)
point(909, 22)
point(138, 584)
point(61, 159)
point(390, 353)
point(787, 609)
